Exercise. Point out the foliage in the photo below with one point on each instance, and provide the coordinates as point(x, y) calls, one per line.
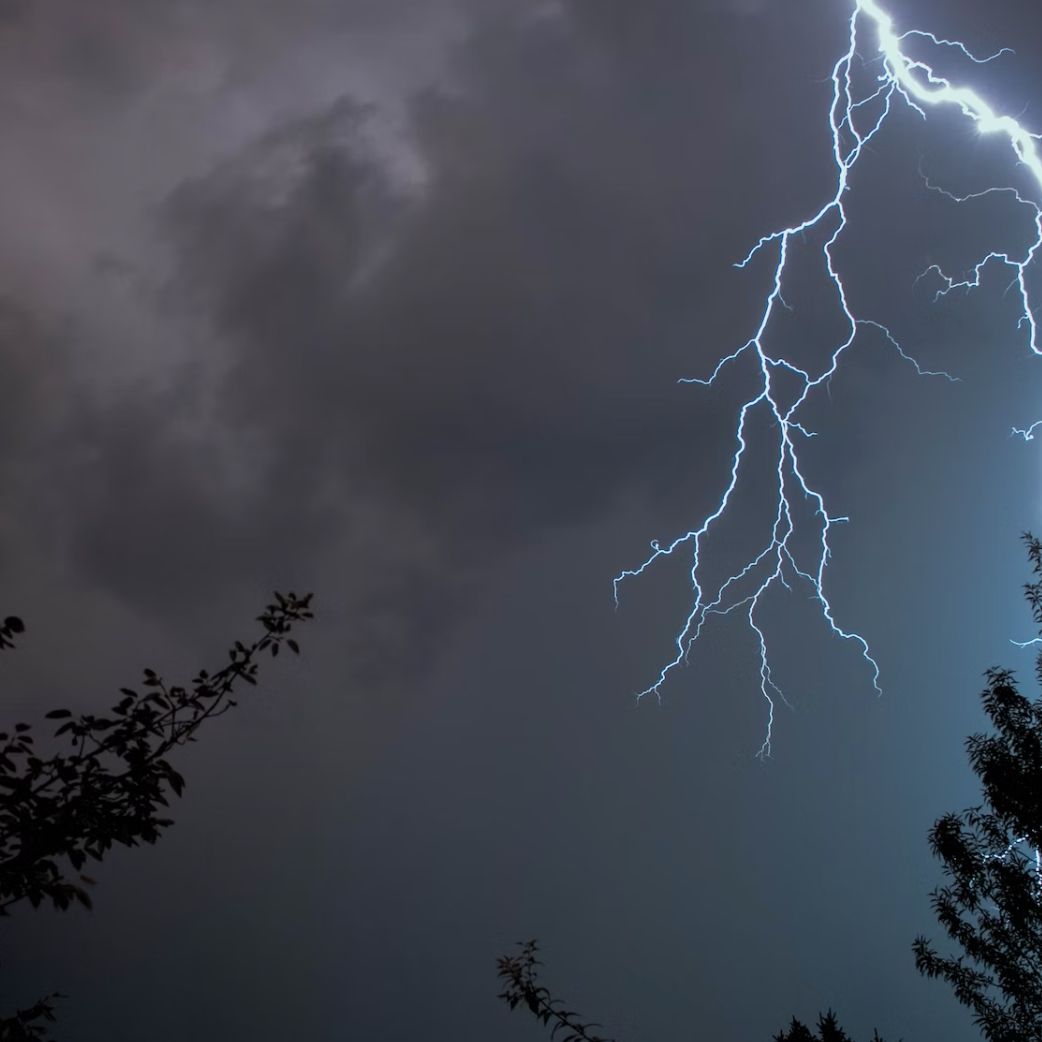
point(991, 906)
point(109, 784)
point(520, 974)
point(31, 1024)
point(828, 1031)
point(522, 989)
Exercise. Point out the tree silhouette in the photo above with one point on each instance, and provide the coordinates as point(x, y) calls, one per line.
point(991, 905)
point(110, 783)
point(521, 986)
point(828, 1031)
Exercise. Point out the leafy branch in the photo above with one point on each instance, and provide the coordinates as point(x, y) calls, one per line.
point(110, 783)
point(520, 974)
point(30, 1024)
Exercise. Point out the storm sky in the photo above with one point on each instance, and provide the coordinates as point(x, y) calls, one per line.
point(388, 300)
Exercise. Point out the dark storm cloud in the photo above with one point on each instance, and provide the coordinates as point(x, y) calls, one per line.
point(29, 378)
point(120, 49)
point(34, 405)
point(97, 55)
point(416, 379)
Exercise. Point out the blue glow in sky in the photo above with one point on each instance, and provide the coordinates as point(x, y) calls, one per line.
point(877, 71)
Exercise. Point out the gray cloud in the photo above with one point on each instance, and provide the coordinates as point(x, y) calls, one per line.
point(418, 381)
point(403, 379)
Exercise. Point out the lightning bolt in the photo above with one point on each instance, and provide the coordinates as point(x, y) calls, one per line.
point(856, 116)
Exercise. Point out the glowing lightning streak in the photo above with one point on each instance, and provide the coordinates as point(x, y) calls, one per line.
point(914, 82)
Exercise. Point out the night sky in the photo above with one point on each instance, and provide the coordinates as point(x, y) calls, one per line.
point(388, 300)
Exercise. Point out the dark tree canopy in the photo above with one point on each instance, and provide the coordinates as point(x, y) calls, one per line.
point(828, 1031)
point(111, 783)
point(991, 905)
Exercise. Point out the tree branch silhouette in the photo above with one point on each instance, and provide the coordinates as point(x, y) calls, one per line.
point(109, 785)
point(991, 906)
point(521, 976)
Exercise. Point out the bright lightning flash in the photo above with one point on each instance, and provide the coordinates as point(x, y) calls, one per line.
point(855, 118)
